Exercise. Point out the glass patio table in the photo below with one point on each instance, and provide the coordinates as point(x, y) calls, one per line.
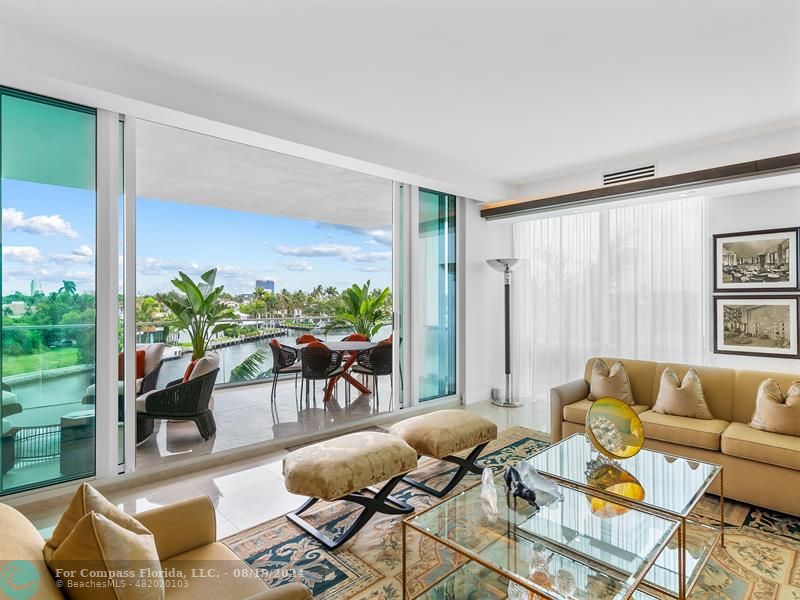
point(564, 550)
point(651, 481)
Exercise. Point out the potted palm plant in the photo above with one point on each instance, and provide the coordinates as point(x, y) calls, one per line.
point(362, 311)
point(197, 310)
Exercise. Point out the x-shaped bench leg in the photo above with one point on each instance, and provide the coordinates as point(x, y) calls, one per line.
point(382, 502)
point(465, 465)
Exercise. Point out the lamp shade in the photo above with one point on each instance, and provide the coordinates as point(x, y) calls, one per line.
point(501, 264)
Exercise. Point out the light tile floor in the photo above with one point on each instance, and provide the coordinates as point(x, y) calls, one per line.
point(248, 492)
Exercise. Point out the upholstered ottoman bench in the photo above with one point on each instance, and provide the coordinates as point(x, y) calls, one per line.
point(440, 435)
point(344, 468)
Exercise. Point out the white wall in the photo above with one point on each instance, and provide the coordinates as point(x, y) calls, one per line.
point(482, 343)
point(747, 212)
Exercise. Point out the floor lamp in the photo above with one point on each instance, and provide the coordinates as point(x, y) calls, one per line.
point(505, 266)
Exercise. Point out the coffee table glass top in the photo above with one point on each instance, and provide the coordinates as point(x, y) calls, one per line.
point(565, 550)
point(667, 482)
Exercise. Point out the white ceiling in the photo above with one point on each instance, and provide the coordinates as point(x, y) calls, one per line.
point(184, 166)
point(511, 90)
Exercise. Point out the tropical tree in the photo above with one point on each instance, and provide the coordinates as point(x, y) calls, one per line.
point(69, 288)
point(197, 309)
point(250, 367)
point(362, 311)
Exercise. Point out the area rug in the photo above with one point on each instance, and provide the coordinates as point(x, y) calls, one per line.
point(761, 559)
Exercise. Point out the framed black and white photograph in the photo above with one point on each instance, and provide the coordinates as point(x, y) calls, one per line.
point(757, 325)
point(764, 261)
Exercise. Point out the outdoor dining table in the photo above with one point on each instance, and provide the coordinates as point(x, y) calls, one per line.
point(353, 349)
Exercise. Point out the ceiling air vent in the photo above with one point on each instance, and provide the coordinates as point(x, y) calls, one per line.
point(629, 175)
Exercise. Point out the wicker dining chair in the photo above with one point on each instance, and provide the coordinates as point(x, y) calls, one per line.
point(285, 359)
point(376, 362)
point(319, 363)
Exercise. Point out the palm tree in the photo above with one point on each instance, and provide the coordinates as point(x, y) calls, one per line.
point(69, 288)
point(362, 311)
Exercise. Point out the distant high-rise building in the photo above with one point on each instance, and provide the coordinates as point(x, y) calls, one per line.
point(266, 284)
point(36, 286)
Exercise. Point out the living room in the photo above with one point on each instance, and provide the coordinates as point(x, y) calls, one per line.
point(459, 316)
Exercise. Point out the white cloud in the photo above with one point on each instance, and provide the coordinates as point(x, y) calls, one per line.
point(14, 219)
point(26, 254)
point(371, 268)
point(372, 256)
point(157, 266)
point(348, 253)
point(298, 265)
point(339, 250)
point(81, 254)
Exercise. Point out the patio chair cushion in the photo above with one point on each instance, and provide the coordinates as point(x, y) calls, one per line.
point(9, 398)
point(5, 427)
point(445, 432)
point(90, 390)
point(153, 353)
point(204, 365)
point(334, 468)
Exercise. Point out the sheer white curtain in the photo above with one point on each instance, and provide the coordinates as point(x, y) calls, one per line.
point(621, 281)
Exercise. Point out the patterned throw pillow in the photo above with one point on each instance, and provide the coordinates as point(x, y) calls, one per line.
point(777, 412)
point(613, 383)
point(682, 399)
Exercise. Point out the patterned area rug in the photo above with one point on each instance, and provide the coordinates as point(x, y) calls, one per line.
point(761, 559)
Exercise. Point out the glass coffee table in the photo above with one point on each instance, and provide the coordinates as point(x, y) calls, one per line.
point(567, 549)
point(654, 482)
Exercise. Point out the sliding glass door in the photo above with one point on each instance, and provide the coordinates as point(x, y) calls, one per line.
point(436, 315)
point(48, 197)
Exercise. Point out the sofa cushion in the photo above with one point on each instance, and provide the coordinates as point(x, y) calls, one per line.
point(220, 558)
point(98, 551)
point(762, 446)
point(685, 431)
point(682, 398)
point(718, 385)
point(576, 412)
point(85, 500)
point(777, 412)
point(640, 375)
point(613, 383)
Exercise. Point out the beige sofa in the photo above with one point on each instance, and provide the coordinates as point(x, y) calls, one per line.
point(760, 468)
point(185, 535)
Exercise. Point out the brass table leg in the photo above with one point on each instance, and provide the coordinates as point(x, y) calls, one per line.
point(403, 580)
point(721, 510)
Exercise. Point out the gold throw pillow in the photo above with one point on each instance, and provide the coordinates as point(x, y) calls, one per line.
point(86, 500)
point(682, 399)
point(99, 560)
point(777, 412)
point(610, 384)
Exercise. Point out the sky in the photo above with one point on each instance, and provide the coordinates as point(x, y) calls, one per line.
point(48, 235)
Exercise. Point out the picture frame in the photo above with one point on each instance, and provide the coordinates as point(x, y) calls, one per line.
point(757, 261)
point(757, 325)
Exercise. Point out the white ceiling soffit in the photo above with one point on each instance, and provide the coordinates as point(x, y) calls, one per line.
point(714, 190)
point(510, 91)
point(184, 166)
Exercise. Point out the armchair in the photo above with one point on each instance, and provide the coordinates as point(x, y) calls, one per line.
point(181, 401)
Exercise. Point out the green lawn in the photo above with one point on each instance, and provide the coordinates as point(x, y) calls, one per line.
point(29, 363)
